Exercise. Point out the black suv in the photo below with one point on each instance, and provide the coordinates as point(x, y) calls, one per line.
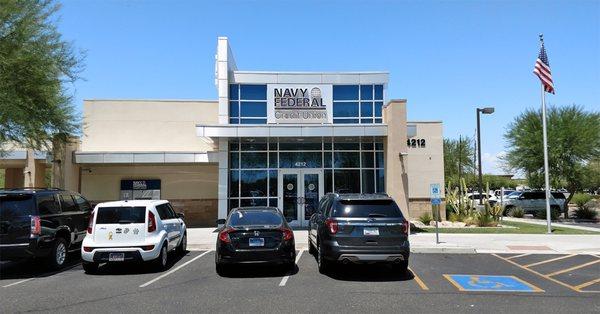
point(359, 228)
point(42, 223)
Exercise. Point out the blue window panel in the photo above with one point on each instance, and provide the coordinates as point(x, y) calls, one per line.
point(253, 202)
point(234, 183)
point(233, 203)
point(234, 109)
point(378, 92)
point(378, 121)
point(345, 121)
point(234, 121)
point(327, 146)
point(234, 92)
point(345, 109)
point(253, 121)
point(345, 92)
point(379, 160)
point(366, 109)
point(378, 108)
point(253, 92)
point(366, 121)
point(253, 183)
point(234, 146)
point(380, 180)
point(378, 146)
point(234, 160)
point(366, 92)
point(253, 109)
point(367, 146)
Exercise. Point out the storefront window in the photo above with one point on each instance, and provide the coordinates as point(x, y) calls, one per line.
point(247, 104)
point(253, 183)
point(357, 104)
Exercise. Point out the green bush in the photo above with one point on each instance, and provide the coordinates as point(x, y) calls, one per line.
point(541, 213)
point(486, 220)
point(426, 218)
point(580, 199)
point(585, 212)
point(517, 212)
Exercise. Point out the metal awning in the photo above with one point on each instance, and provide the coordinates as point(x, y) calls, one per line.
point(145, 157)
point(277, 130)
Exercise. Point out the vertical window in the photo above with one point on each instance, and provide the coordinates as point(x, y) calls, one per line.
point(357, 103)
point(247, 104)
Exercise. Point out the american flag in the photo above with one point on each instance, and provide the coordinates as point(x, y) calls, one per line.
point(542, 70)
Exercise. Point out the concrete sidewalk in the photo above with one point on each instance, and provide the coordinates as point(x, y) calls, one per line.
point(205, 239)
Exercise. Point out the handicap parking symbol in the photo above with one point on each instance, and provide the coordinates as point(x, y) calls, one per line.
point(491, 283)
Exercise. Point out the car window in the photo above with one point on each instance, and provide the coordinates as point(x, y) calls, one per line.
point(328, 205)
point(16, 205)
point(558, 195)
point(367, 208)
point(82, 203)
point(172, 213)
point(322, 204)
point(47, 204)
point(267, 217)
point(67, 203)
point(121, 215)
point(163, 211)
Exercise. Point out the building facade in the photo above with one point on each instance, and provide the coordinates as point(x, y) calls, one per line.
point(270, 139)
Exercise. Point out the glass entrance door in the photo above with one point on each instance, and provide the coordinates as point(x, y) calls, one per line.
point(299, 193)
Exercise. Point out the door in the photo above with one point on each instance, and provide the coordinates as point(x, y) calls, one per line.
point(299, 193)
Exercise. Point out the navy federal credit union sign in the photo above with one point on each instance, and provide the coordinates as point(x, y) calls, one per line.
point(299, 103)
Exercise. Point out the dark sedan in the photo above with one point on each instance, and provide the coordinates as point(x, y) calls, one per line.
point(255, 235)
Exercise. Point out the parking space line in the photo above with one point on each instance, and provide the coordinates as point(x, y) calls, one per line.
point(418, 280)
point(573, 268)
point(173, 270)
point(286, 277)
point(516, 256)
point(538, 273)
point(18, 282)
point(550, 260)
point(587, 284)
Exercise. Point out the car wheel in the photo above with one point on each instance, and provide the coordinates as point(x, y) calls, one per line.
point(182, 248)
point(321, 261)
point(58, 254)
point(160, 262)
point(221, 269)
point(311, 248)
point(90, 267)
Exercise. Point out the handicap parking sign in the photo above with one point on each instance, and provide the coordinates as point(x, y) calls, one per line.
point(491, 283)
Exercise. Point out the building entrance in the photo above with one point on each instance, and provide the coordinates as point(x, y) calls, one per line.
point(299, 191)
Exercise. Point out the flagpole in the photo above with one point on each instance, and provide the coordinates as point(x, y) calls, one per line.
point(545, 136)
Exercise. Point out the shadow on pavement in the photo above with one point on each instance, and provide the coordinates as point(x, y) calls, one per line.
point(136, 268)
point(257, 271)
point(29, 268)
point(368, 273)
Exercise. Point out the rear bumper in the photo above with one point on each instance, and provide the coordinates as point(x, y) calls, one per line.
point(131, 254)
point(17, 251)
point(332, 251)
point(226, 254)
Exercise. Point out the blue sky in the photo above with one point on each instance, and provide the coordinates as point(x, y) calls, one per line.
point(445, 57)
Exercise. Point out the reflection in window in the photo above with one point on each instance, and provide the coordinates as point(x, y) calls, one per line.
point(357, 104)
point(253, 183)
point(346, 159)
point(345, 181)
point(253, 160)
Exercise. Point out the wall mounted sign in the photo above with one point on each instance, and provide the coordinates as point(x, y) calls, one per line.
point(416, 143)
point(140, 189)
point(298, 104)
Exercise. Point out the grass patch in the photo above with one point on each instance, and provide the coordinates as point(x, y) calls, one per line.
point(520, 228)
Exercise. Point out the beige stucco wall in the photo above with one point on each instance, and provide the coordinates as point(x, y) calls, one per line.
point(396, 177)
point(146, 125)
point(101, 183)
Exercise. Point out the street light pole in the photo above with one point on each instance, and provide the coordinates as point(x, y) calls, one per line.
point(487, 110)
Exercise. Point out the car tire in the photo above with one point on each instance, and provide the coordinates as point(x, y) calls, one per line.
point(311, 248)
point(322, 263)
point(58, 254)
point(90, 267)
point(182, 247)
point(160, 263)
point(221, 269)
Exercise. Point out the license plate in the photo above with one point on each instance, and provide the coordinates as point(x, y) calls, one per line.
point(116, 257)
point(371, 231)
point(256, 242)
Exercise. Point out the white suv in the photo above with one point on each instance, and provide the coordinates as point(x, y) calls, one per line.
point(139, 230)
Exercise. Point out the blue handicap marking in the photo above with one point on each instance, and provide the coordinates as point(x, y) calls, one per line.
point(436, 201)
point(491, 283)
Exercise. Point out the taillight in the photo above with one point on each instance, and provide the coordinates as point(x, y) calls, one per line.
point(36, 226)
point(287, 234)
point(151, 222)
point(405, 227)
point(224, 235)
point(90, 223)
point(332, 225)
point(88, 248)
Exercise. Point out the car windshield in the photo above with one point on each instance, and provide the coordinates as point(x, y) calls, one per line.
point(367, 208)
point(16, 205)
point(121, 215)
point(254, 217)
point(514, 194)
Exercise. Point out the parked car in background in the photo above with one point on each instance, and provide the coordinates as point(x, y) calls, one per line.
point(254, 235)
point(532, 201)
point(475, 196)
point(138, 230)
point(359, 228)
point(42, 223)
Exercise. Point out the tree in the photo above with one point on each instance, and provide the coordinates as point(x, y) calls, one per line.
point(36, 65)
point(458, 154)
point(573, 141)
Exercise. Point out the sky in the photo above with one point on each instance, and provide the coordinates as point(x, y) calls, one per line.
point(445, 57)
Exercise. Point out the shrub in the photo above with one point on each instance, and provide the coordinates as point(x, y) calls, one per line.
point(486, 220)
point(586, 212)
point(517, 212)
point(580, 199)
point(426, 218)
point(541, 213)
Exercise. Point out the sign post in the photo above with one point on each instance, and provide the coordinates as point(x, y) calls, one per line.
point(435, 195)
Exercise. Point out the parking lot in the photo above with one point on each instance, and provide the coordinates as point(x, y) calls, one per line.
point(436, 283)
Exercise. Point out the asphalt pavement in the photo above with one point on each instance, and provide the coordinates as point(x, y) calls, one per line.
point(437, 283)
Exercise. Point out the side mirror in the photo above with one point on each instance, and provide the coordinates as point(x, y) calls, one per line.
point(180, 215)
point(221, 221)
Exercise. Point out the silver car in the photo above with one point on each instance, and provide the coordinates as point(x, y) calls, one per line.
point(532, 201)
